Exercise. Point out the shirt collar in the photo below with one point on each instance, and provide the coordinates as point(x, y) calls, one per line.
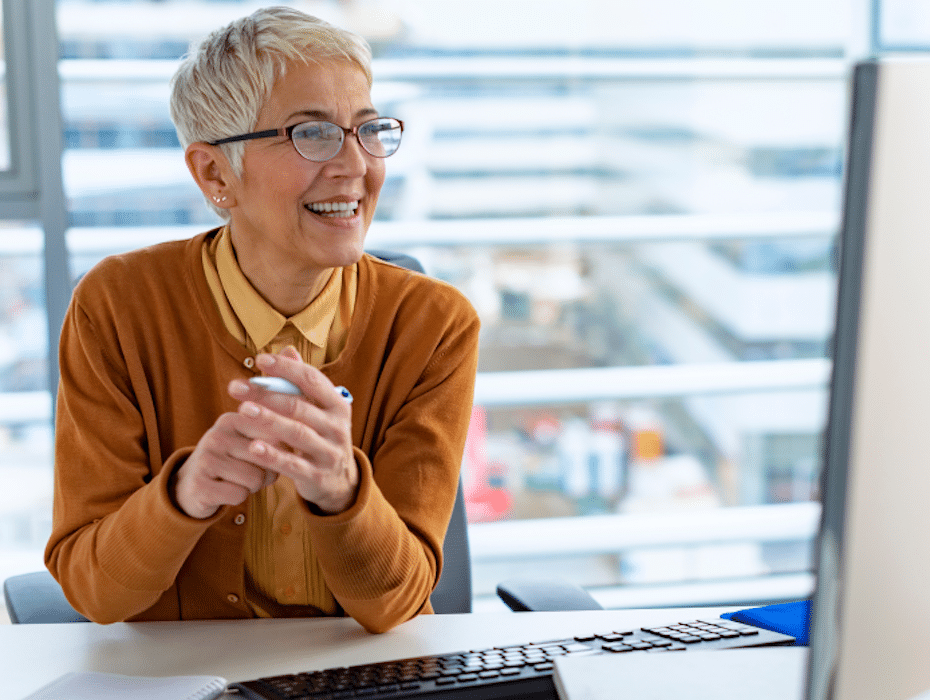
point(262, 323)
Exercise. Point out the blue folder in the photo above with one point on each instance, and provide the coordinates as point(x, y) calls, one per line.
point(787, 618)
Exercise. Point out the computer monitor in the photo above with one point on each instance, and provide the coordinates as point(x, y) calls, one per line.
point(870, 627)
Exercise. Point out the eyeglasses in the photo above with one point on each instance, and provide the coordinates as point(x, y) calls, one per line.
point(322, 141)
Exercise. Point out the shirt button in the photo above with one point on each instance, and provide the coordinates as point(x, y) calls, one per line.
point(286, 529)
point(232, 598)
point(239, 519)
point(249, 362)
point(289, 592)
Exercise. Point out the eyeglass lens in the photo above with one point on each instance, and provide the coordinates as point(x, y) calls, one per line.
point(320, 141)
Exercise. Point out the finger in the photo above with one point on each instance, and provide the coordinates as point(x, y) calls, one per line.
point(313, 479)
point(235, 469)
point(314, 385)
point(284, 433)
point(200, 495)
point(242, 390)
point(226, 493)
point(225, 455)
point(287, 418)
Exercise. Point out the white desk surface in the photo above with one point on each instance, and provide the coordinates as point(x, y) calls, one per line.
point(33, 655)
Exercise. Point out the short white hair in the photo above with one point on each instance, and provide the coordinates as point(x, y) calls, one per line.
point(223, 81)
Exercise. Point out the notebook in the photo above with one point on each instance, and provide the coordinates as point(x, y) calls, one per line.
point(113, 686)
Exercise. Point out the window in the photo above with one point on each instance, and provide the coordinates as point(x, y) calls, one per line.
point(642, 206)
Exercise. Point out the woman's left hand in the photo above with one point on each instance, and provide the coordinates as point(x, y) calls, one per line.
point(305, 438)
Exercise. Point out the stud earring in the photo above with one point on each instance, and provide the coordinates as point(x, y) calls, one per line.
point(218, 200)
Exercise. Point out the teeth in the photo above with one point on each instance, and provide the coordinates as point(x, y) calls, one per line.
point(339, 209)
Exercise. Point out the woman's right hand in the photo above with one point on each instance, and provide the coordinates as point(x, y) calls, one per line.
point(219, 472)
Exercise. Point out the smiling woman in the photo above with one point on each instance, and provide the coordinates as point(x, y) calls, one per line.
point(182, 490)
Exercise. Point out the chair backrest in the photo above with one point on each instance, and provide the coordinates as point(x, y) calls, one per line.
point(453, 592)
point(401, 259)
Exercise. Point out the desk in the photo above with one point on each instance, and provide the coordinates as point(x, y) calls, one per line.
point(33, 655)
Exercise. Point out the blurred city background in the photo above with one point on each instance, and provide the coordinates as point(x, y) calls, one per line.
point(640, 198)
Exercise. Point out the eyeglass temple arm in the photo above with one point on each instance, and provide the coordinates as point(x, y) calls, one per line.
point(254, 135)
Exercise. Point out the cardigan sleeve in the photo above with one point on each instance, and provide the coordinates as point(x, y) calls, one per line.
point(382, 558)
point(117, 539)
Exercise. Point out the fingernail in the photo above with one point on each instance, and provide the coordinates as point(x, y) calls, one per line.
point(266, 360)
point(238, 387)
point(250, 409)
point(258, 448)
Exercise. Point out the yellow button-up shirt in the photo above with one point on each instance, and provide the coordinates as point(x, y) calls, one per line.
point(282, 573)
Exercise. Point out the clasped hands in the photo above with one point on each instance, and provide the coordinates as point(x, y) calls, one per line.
point(304, 438)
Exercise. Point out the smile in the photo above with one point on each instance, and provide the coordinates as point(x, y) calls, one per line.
point(334, 209)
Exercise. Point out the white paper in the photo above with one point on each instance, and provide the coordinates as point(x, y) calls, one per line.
point(111, 686)
point(760, 673)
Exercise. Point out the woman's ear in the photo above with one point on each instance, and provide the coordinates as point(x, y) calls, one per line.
point(212, 173)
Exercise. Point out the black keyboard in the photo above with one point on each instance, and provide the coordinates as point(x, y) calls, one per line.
point(522, 671)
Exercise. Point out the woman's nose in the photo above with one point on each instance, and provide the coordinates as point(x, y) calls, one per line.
point(352, 159)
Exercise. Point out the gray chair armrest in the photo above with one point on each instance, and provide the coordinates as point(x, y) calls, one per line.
point(538, 595)
point(37, 598)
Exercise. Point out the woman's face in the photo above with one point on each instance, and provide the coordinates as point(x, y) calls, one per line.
point(277, 230)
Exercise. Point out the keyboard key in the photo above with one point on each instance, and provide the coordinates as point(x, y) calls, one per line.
point(613, 637)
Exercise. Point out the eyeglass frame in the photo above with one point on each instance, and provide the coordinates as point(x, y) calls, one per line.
point(288, 131)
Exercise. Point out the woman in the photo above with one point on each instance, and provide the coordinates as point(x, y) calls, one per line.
point(183, 491)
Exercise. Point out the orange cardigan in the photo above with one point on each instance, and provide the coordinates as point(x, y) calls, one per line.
point(145, 361)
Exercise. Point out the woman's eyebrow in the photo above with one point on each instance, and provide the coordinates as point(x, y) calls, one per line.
point(327, 116)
